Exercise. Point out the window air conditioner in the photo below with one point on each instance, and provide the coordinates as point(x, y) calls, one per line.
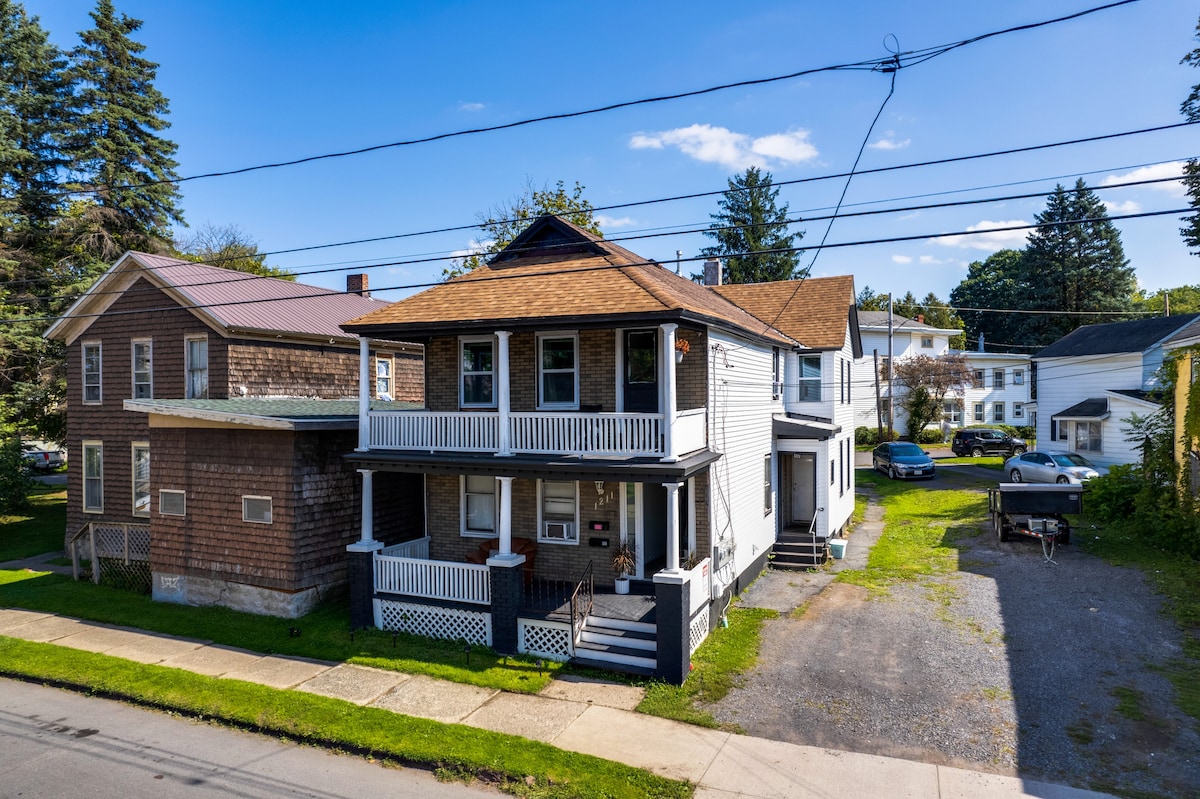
point(562, 531)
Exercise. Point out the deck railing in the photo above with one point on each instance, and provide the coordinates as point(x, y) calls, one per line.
point(591, 433)
point(433, 579)
point(417, 548)
point(433, 430)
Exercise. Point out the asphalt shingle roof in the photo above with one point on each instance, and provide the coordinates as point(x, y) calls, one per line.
point(1092, 408)
point(814, 311)
point(1117, 337)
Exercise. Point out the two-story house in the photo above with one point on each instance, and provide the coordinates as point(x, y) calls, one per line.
point(206, 431)
point(999, 392)
point(1094, 378)
point(579, 397)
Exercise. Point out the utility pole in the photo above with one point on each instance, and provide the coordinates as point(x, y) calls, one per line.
point(891, 390)
point(878, 410)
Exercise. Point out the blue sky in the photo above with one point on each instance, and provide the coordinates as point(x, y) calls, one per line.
point(259, 82)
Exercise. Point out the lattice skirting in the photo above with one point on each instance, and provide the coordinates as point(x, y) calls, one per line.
point(431, 621)
point(698, 630)
point(545, 639)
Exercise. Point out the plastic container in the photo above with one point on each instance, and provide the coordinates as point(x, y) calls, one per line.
point(837, 547)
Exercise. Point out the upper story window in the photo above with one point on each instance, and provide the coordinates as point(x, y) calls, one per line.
point(91, 372)
point(810, 379)
point(383, 378)
point(1018, 377)
point(477, 358)
point(93, 477)
point(926, 342)
point(558, 509)
point(997, 378)
point(197, 367)
point(776, 380)
point(884, 372)
point(558, 371)
point(143, 370)
point(478, 505)
point(977, 379)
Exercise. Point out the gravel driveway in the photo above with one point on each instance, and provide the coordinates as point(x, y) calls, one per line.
point(1010, 664)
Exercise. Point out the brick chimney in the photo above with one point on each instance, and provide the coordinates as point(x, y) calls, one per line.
point(712, 272)
point(357, 284)
point(920, 316)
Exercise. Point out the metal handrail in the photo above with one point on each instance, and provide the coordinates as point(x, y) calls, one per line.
point(581, 602)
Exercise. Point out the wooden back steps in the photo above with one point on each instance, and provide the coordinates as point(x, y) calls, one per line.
point(618, 645)
point(794, 551)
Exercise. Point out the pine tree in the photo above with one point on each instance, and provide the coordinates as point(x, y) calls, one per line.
point(1073, 262)
point(748, 227)
point(1191, 110)
point(118, 154)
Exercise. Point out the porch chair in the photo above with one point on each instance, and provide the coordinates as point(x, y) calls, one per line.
point(520, 546)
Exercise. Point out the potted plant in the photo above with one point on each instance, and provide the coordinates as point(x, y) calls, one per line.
point(624, 563)
point(682, 347)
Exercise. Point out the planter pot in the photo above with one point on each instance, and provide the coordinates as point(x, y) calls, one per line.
point(678, 356)
point(622, 585)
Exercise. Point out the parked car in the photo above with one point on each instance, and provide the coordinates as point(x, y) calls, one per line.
point(979, 442)
point(42, 456)
point(1051, 467)
point(901, 459)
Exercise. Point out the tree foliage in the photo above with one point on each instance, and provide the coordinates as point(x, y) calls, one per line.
point(1184, 299)
point(751, 229)
point(993, 283)
point(1190, 108)
point(927, 382)
point(228, 247)
point(504, 222)
point(931, 310)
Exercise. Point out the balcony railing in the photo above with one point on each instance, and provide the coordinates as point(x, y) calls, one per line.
point(433, 579)
point(588, 434)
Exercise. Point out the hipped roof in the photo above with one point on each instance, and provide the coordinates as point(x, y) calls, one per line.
point(814, 311)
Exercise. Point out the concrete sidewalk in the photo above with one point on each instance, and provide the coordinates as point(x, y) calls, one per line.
point(575, 714)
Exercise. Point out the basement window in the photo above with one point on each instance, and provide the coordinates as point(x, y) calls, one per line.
point(171, 502)
point(256, 509)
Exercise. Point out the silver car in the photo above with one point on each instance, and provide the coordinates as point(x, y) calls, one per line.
point(1051, 467)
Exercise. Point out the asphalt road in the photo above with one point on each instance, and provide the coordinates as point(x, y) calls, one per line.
point(55, 743)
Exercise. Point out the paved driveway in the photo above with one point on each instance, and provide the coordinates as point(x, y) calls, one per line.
point(1009, 664)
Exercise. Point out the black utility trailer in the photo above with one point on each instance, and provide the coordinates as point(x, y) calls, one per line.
point(1037, 511)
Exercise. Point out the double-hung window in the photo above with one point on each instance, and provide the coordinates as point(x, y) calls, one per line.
point(1018, 410)
point(143, 369)
point(477, 359)
point(978, 411)
point(997, 412)
point(141, 478)
point(93, 477)
point(197, 367)
point(383, 377)
point(997, 378)
point(558, 370)
point(951, 411)
point(977, 379)
point(479, 505)
point(927, 342)
point(766, 484)
point(91, 372)
point(810, 379)
point(558, 506)
point(1018, 377)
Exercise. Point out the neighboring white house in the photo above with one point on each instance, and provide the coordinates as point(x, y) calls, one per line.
point(1090, 381)
point(998, 394)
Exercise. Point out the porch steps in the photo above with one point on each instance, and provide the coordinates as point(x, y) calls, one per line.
point(799, 551)
point(618, 644)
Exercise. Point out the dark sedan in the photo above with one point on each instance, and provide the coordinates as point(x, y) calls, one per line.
point(902, 459)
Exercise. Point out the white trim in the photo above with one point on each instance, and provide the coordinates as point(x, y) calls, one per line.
point(462, 340)
point(381, 359)
point(172, 491)
point(83, 350)
point(542, 522)
point(539, 340)
point(270, 510)
point(463, 530)
point(85, 446)
point(134, 446)
point(133, 372)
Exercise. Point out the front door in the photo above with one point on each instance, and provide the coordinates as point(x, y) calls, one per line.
point(641, 371)
point(804, 487)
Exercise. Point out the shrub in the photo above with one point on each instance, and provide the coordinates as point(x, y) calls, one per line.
point(15, 480)
point(864, 436)
point(1113, 496)
point(930, 436)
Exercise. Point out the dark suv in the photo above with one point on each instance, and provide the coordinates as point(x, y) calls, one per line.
point(980, 442)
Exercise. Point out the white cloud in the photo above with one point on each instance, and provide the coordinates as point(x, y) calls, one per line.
point(929, 260)
point(901, 259)
point(1126, 207)
point(464, 106)
point(1167, 170)
point(717, 145)
point(889, 143)
point(608, 222)
point(986, 236)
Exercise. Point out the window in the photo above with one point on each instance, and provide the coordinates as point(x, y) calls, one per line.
point(256, 509)
point(977, 379)
point(1087, 436)
point(558, 372)
point(810, 379)
point(997, 378)
point(776, 382)
point(143, 373)
point(91, 372)
point(926, 342)
point(1063, 434)
point(479, 505)
point(141, 478)
point(93, 477)
point(978, 412)
point(843, 462)
point(951, 411)
point(884, 374)
point(845, 384)
point(557, 505)
point(478, 371)
point(1018, 377)
point(1033, 382)
point(1018, 410)
point(832, 470)
point(884, 407)
point(383, 378)
point(197, 368)
point(171, 502)
point(998, 411)
point(766, 484)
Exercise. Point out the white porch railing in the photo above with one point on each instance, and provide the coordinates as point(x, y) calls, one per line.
point(433, 579)
point(417, 548)
point(588, 434)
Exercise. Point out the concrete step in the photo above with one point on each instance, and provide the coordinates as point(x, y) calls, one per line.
point(620, 624)
point(609, 656)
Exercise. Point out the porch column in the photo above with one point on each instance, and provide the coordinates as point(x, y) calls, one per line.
point(361, 561)
point(672, 526)
point(504, 520)
point(368, 506)
point(364, 395)
point(667, 390)
point(504, 443)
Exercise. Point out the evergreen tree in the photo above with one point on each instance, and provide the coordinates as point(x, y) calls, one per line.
point(1073, 262)
point(117, 152)
point(1191, 110)
point(748, 226)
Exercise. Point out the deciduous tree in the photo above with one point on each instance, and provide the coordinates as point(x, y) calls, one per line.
point(1191, 110)
point(228, 247)
point(926, 382)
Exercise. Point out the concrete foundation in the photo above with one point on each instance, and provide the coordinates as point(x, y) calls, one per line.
point(183, 589)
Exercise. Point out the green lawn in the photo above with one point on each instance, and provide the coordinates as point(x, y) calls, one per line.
point(38, 530)
point(988, 462)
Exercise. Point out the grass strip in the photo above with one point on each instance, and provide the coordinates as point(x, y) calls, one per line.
point(323, 634)
point(987, 462)
point(919, 533)
point(717, 666)
point(506, 760)
point(37, 530)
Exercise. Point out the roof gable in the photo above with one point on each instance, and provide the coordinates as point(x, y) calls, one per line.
point(818, 312)
point(1112, 338)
